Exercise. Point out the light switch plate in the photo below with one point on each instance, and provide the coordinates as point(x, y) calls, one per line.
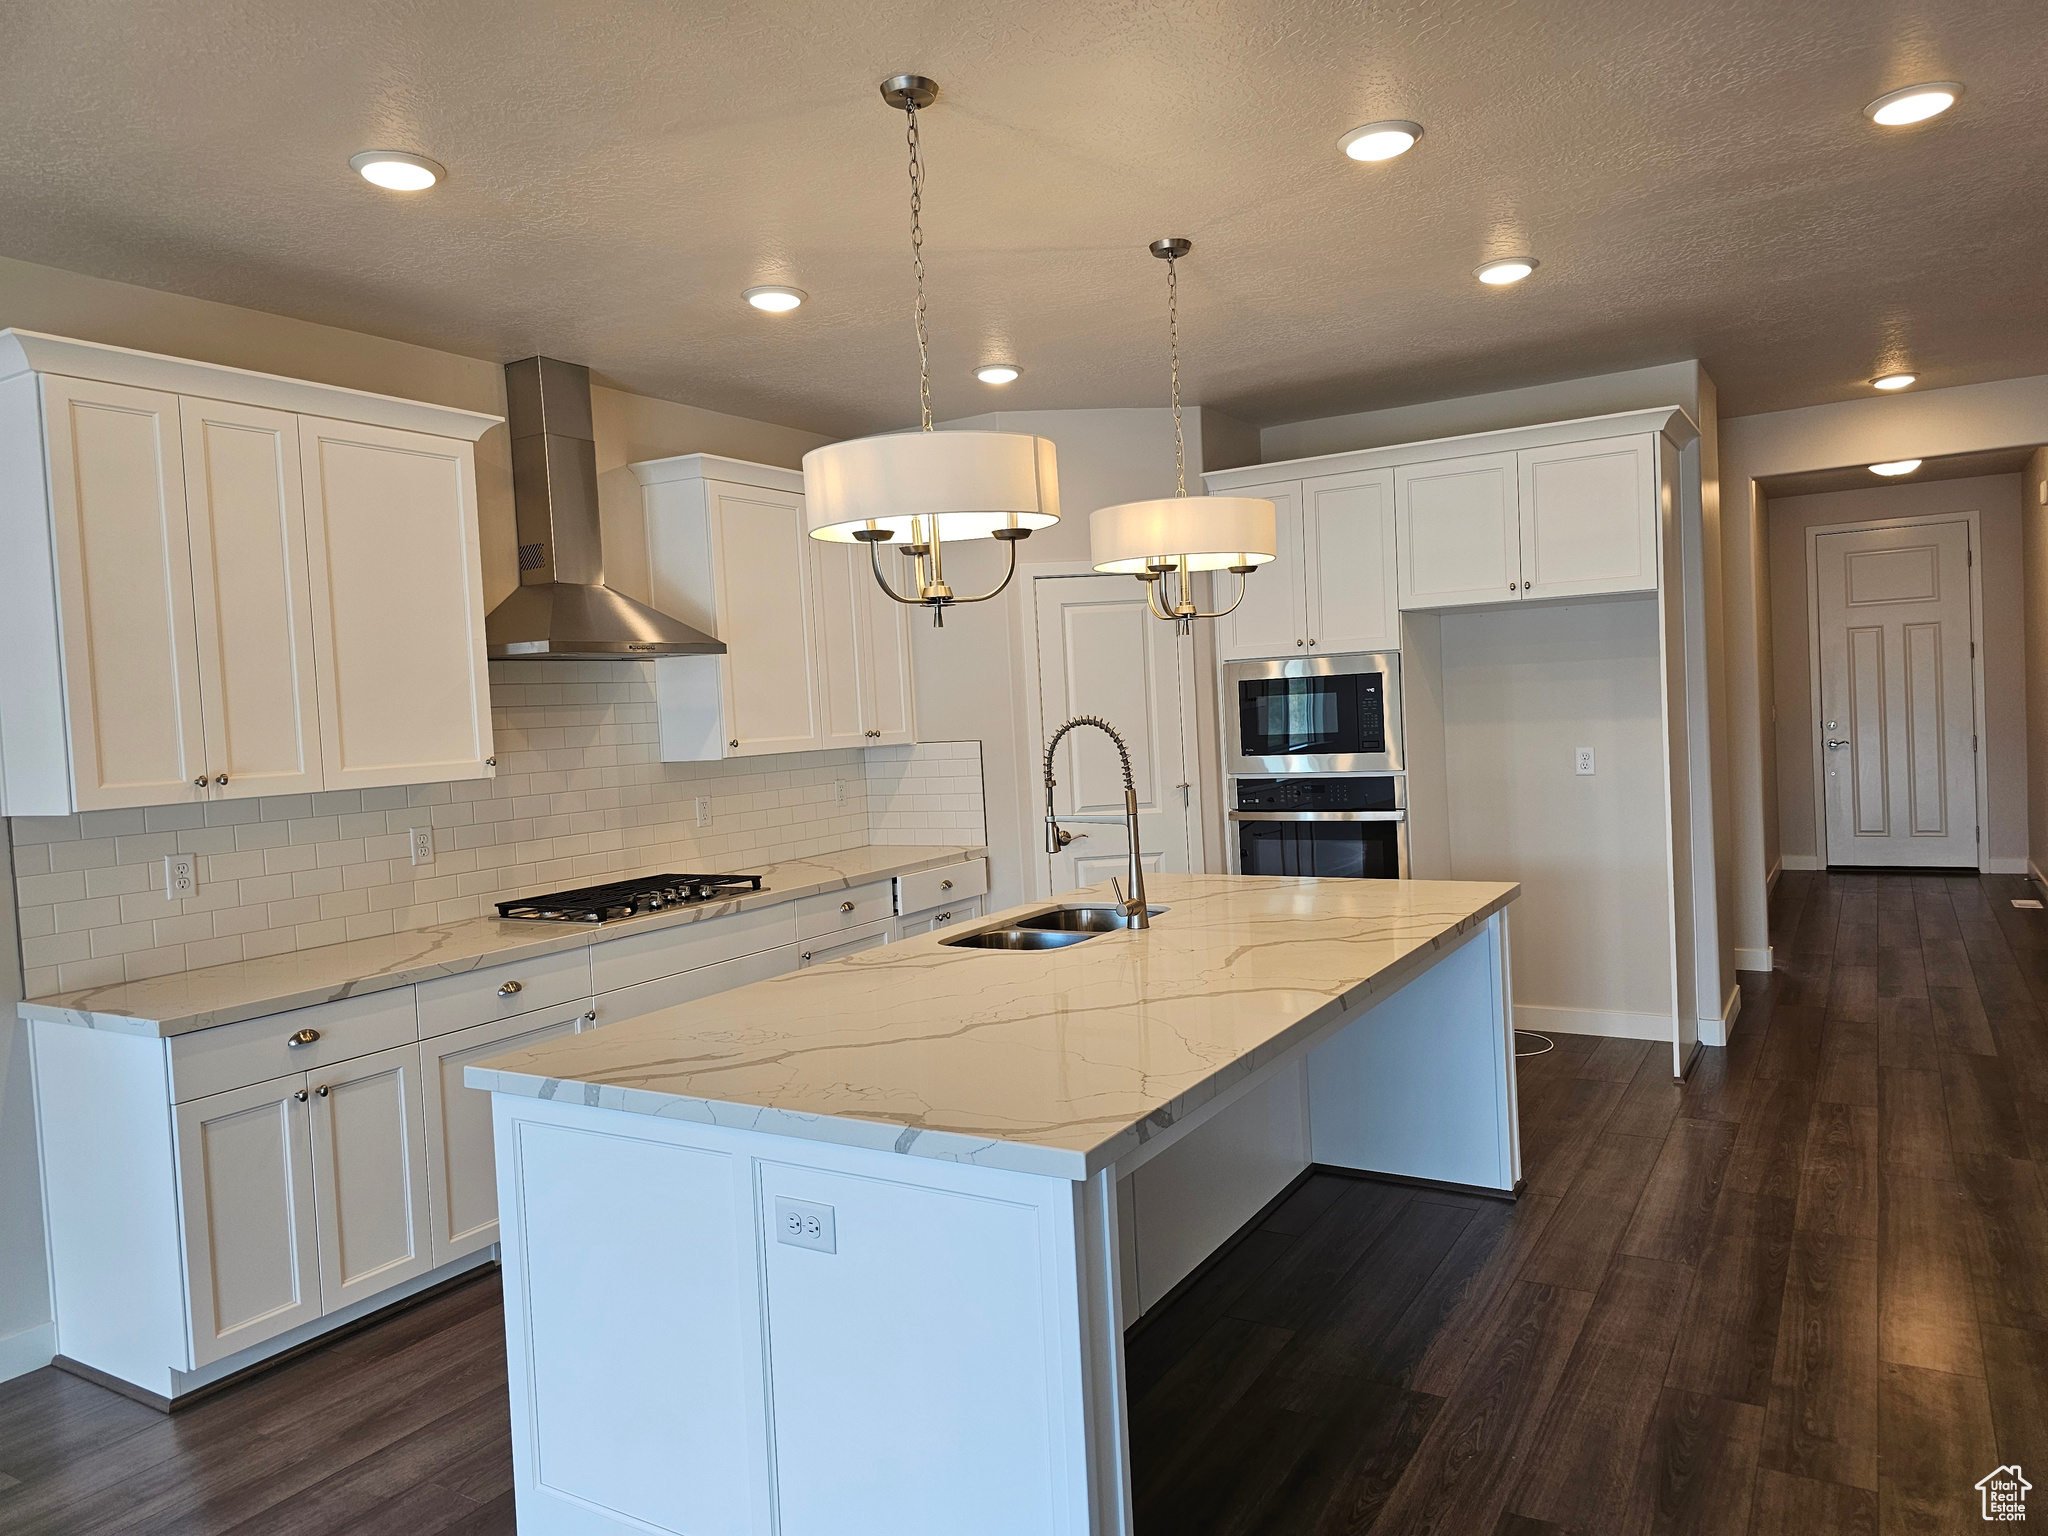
point(181, 876)
point(805, 1224)
point(422, 844)
point(1584, 761)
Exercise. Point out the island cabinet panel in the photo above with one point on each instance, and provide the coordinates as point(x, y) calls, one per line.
point(252, 1258)
point(397, 584)
point(370, 1175)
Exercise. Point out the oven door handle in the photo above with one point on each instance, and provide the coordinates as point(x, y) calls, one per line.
point(1318, 815)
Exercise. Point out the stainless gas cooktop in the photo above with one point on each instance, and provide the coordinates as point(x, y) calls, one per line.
point(621, 899)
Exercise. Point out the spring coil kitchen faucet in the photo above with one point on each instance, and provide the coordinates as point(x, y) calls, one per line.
point(1134, 908)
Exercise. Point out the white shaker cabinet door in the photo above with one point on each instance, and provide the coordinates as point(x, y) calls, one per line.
point(369, 1174)
point(892, 711)
point(1459, 539)
point(251, 605)
point(939, 920)
point(841, 614)
point(1348, 537)
point(764, 604)
point(1589, 517)
point(462, 1172)
point(245, 1170)
point(124, 590)
point(398, 622)
point(1273, 618)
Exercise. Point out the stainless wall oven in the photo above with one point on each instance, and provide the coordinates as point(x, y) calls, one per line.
point(1314, 714)
point(1347, 828)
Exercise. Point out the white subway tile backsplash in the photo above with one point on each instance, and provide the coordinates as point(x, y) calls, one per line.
point(579, 796)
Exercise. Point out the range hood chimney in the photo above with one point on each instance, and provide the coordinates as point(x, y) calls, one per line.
point(562, 608)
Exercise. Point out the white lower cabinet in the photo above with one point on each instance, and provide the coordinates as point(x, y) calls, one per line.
point(252, 1259)
point(940, 918)
point(462, 1171)
point(369, 1175)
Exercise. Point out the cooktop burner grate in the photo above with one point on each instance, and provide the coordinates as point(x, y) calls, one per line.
point(620, 899)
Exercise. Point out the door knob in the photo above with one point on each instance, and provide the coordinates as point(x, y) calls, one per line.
point(1836, 746)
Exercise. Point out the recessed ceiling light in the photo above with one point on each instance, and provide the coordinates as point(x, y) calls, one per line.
point(1893, 381)
point(1896, 467)
point(1510, 270)
point(998, 373)
point(774, 297)
point(1913, 104)
point(1380, 141)
point(395, 170)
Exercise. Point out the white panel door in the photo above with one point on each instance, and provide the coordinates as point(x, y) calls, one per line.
point(124, 589)
point(370, 1174)
point(398, 623)
point(462, 1169)
point(252, 610)
point(1897, 695)
point(840, 612)
point(1273, 618)
point(245, 1171)
point(1459, 539)
point(1589, 518)
point(1100, 652)
point(892, 707)
point(764, 606)
point(1348, 543)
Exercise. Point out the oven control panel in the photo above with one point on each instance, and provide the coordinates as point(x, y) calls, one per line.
point(1351, 792)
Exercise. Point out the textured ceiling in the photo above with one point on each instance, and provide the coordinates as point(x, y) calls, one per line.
point(1696, 180)
point(1857, 477)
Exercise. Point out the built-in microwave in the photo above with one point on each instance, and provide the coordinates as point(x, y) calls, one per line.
point(1314, 714)
point(1347, 827)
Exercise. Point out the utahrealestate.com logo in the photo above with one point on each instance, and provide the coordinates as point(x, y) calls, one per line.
point(2005, 1494)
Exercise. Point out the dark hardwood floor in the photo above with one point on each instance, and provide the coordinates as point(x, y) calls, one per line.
point(1804, 1293)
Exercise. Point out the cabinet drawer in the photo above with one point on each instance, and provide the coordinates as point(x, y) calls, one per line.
point(500, 991)
point(626, 962)
point(836, 911)
point(951, 884)
point(688, 986)
point(848, 942)
point(940, 919)
point(236, 1055)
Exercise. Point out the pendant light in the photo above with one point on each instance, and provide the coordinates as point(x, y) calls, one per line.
point(1172, 538)
point(928, 487)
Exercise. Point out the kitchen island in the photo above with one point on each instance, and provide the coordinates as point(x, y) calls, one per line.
point(850, 1250)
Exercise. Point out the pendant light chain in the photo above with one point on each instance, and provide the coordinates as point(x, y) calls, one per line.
point(924, 363)
point(1180, 447)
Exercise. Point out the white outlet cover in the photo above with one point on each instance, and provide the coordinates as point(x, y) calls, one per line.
point(805, 1224)
point(422, 844)
point(181, 876)
point(703, 810)
point(1583, 761)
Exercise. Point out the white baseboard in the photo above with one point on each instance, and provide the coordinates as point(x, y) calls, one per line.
point(1753, 959)
point(1593, 1021)
point(1771, 880)
point(2004, 867)
point(1799, 861)
point(1720, 1031)
point(29, 1350)
point(2034, 873)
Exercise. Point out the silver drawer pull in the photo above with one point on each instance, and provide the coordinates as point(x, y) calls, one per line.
point(945, 885)
point(590, 1017)
point(303, 1037)
point(300, 1096)
point(846, 906)
point(509, 988)
point(321, 1090)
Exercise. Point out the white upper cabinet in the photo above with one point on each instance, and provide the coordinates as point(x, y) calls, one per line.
point(208, 590)
point(1589, 517)
point(1348, 542)
point(816, 654)
point(1459, 542)
point(252, 611)
point(397, 584)
point(1273, 618)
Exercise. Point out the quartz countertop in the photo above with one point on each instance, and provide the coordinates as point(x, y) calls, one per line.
point(249, 989)
point(1055, 1062)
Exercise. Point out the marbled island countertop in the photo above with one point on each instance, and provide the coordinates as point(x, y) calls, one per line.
point(1055, 1062)
point(250, 989)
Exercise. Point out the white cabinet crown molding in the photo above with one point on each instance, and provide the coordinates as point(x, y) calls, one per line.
point(34, 352)
point(1669, 421)
point(710, 466)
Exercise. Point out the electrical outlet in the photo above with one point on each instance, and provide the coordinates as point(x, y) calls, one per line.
point(181, 876)
point(805, 1224)
point(422, 844)
point(1584, 762)
point(703, 810)
point(839, 791)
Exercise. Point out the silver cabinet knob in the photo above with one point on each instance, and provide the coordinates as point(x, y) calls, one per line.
point(590, 1017)
point(945, 885)
point(300, 1096)
point(1298, 642)
point(321, 1090)
point(303, 1037)
point(943, 917)
point(222, 779)
point(1511, 586)
point(509, 988)
point(1525, 586)
point(846, 906)
point(1311, 645)
point(200, 782)
point(734, 742)
point(807, 957)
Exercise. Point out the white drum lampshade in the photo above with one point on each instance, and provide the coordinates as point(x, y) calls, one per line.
point(1214, 533)
point(971, 483)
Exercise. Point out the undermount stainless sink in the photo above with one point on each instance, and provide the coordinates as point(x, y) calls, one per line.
point(1016, 938)
point(1081, 919)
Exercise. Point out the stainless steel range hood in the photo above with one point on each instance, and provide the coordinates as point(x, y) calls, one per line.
point(562, 608)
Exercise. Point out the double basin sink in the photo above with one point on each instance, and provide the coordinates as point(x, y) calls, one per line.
point(1053, 928)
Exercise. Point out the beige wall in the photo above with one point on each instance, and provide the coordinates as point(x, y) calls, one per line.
point(2034, 599)
point(1915, 424)
point(1996, 500)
